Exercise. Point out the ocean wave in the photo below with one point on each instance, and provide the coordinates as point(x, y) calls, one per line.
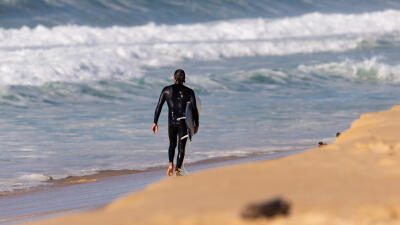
point(22, 182)
point(79, 53)
point(34, 177)
point(18, 13)
point(314, 25)
point(368, 71)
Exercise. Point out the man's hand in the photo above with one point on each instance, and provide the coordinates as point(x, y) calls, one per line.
point(196, 129)
point(154, 128)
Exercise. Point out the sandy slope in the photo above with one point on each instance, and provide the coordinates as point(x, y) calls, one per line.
point(356, 180)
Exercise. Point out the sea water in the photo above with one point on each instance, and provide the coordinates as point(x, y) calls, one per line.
point(79, 80)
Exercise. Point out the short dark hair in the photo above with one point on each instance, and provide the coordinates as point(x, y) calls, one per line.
point(179, 76)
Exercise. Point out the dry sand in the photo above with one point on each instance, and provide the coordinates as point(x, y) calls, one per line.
point(356, 180)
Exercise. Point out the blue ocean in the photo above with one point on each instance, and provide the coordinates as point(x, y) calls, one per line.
point(80, 79)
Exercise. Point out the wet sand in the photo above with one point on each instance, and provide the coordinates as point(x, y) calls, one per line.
point(355, 180)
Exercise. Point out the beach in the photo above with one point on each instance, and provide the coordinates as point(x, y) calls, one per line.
point(354, 180)
point(277, 80)
point(81, 79)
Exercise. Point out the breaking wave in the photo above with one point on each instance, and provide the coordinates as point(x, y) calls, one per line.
point(71, 53)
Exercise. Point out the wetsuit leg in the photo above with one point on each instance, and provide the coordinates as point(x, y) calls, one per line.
point(172, 133)
point(182, 131)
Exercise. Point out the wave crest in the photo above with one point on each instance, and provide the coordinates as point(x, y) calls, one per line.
point(80, 53)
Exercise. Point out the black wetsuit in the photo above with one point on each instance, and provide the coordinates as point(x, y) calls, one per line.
point(177, 95)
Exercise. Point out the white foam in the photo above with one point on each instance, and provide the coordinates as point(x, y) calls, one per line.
point(22, 181)
point(33, 177)
point(366, 70)
point(80, 53)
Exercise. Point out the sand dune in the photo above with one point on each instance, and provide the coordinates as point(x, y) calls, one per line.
point(355, 180)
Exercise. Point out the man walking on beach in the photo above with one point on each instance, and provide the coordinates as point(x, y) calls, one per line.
point(177, 95)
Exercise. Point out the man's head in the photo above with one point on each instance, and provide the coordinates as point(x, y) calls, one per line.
point(179, 76)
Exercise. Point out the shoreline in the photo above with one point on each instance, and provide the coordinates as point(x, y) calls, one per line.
point(355, 180)
point(116, 183)
point(76, 180)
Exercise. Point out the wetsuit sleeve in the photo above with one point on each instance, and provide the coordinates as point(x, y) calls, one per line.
point(160, 104)
point(195, 111)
